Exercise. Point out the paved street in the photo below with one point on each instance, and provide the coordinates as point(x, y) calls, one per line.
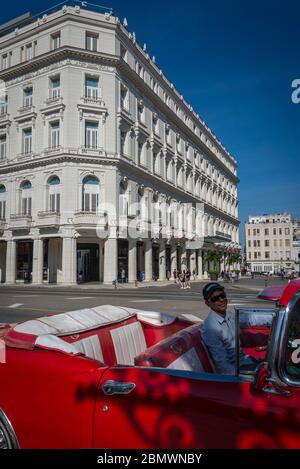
point(18, 303)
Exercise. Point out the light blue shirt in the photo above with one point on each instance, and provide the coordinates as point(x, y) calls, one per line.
point(218, 334)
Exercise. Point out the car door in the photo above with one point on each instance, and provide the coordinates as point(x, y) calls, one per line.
point(269, 413)
point(158, 408)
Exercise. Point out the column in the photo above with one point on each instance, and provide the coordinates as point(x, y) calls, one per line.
point(132, 260)
point(173, 258)
point(162, 260)
point(110, 260)
point(11, 253)
point(200, 264)
point(148, 260)
point(69, 261)
point(37, 261)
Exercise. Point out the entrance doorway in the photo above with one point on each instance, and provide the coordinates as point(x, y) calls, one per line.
point(122, 260)
point(24, 261)
point(155, 261)
point(140, 261)
point(87, 263)
point(168, 262)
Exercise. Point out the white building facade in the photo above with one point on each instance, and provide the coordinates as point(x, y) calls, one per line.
point(95, 140)
point(269, 243)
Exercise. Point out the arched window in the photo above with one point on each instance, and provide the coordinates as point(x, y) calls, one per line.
point(26, 198)
point(90, 194)
point(54, 194)
point(2, 202)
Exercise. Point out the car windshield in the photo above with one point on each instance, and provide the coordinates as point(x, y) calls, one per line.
point(254, 328)
point(292, 348)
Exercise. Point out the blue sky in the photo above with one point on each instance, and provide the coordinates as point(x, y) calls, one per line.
point(234, 62)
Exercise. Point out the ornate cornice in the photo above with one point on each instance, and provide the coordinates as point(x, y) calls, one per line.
point(38, 162)
point(49, 61)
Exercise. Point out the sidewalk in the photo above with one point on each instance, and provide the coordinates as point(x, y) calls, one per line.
point(91, 285)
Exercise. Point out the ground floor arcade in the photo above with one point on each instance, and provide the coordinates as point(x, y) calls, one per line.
point(70, 259)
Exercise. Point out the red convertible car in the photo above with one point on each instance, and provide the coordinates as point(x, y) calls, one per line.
point(113, 377)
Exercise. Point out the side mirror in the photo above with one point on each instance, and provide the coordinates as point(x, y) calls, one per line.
point(261, 377)
point(264, 383)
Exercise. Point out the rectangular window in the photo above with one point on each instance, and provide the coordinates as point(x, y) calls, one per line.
point(123, 52)
point(267, 255)
point(2, 147)
point(55, 203)
point(274, 231)
point(287, 243)
point(54, 91)
point(4, 63)
point(3, 105)
point(27, 101)
point(266, 231)
point(254, 243)
point(2, 209)
point(275, 243)
point(28, 52)
point(249, 244)
point(91, 88)
point(54, 134)
point(124, 97)
point(254, 232)
point(91, 134)
point(286, 231)
point(267, 243)
point(27, 141)
point(280, 231)
point(141, 113)
point(91, 41)
point(249, 232)
point(123, 141)
point(55, 41)
point(257, 231)
point(26, 206)
point(258, 243)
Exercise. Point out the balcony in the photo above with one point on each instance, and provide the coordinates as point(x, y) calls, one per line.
point(92, 150)
point(48, 219)
point(53, 150)
point(18, 222)
point(90, 220)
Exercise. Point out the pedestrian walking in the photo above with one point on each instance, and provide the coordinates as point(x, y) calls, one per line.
point(182, 279)
point(175, 275)
point(187, 279)
point(194, 274)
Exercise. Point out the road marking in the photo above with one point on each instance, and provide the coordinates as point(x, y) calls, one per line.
point(143, 301)
point(192, 317)
point(27, 296)
point(81, 298)
point(15, 305)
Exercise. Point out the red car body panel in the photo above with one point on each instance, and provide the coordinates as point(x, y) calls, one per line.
point(174, 411)
point(280, 293)
point(49, 398)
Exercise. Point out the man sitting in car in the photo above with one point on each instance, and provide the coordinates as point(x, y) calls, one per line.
point(219, 334)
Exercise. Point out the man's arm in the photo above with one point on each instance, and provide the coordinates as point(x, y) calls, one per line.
point(223, 359)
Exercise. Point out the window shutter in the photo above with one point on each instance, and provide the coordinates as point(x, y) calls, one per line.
point(58, 203)
point(24, 206)
point(86, 202)
point(94, 202)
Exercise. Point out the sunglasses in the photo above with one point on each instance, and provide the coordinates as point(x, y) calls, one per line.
point(214, 299)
